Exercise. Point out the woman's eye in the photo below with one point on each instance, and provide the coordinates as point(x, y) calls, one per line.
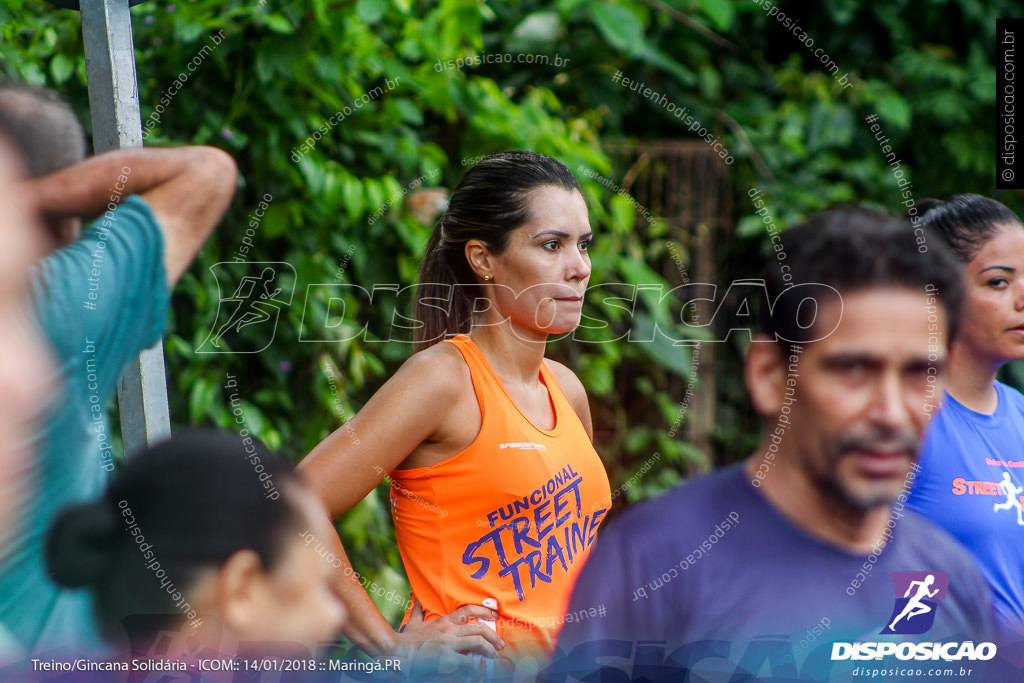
point(552, 245)
point(998, 282)
point(585, 245)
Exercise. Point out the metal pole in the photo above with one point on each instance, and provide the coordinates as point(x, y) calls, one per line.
point(117, 124)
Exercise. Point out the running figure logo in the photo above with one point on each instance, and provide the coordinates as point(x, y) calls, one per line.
point(1012, 493)
point(914, 613)
point(255, 303)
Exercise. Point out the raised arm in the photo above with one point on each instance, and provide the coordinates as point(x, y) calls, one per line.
point(187, 188)
point(413, 409)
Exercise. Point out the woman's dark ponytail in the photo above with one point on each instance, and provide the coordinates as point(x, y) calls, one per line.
point(446, 291)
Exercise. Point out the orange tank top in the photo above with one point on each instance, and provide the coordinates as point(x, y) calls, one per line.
point(512, 517)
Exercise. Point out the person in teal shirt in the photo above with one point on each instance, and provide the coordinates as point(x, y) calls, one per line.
point(99, 301)
point(23, 355)
point(74, 455)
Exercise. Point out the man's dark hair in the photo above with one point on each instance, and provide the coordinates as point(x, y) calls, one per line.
point(850, 250)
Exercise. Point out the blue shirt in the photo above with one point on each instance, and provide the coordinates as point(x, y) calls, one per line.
point(712, 578)
point(99, 302)
point(971, 483)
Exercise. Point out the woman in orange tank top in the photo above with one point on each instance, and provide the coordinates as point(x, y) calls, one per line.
point(496, 489)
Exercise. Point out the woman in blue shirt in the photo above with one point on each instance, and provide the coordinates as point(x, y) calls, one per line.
point(972, 459)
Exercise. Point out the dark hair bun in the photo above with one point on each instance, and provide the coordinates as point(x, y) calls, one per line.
point(80, 543)
point(923, 206)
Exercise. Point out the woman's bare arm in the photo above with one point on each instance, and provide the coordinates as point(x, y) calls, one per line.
point(413, 407)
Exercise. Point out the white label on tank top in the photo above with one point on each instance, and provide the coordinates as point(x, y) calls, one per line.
point(523, 445)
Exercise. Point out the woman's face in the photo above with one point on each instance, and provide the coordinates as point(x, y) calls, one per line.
point(992, 326)
point(540, 279)
point(300, 605)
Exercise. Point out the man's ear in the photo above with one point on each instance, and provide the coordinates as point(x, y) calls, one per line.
point(241, 587)
point(764, 370)
point(480, 258)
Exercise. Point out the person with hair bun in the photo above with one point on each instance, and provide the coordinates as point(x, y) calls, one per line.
point(496, 489)
point(189, 540)
point(972, 460)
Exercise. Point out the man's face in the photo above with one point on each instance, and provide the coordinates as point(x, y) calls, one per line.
point(858, 405)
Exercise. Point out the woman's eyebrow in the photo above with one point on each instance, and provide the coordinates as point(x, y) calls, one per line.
point(559, 233)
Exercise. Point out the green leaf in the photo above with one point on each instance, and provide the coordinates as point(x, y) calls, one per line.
point(275, 221)
point(276, 23)
point(657, 58)
point(623, 211)
point(636, 440)
point(200, 398)
point(721, 12)
point(376, 195)
point(598, 375)
point(620, 27)
point(61, 68)
point(639, 273)
point(895, 111)
point(353, 197)
point(749, 226)
point(567, 7)
point(539, 27)
point(408, 110)
point(665, 353)
point(370, 11)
